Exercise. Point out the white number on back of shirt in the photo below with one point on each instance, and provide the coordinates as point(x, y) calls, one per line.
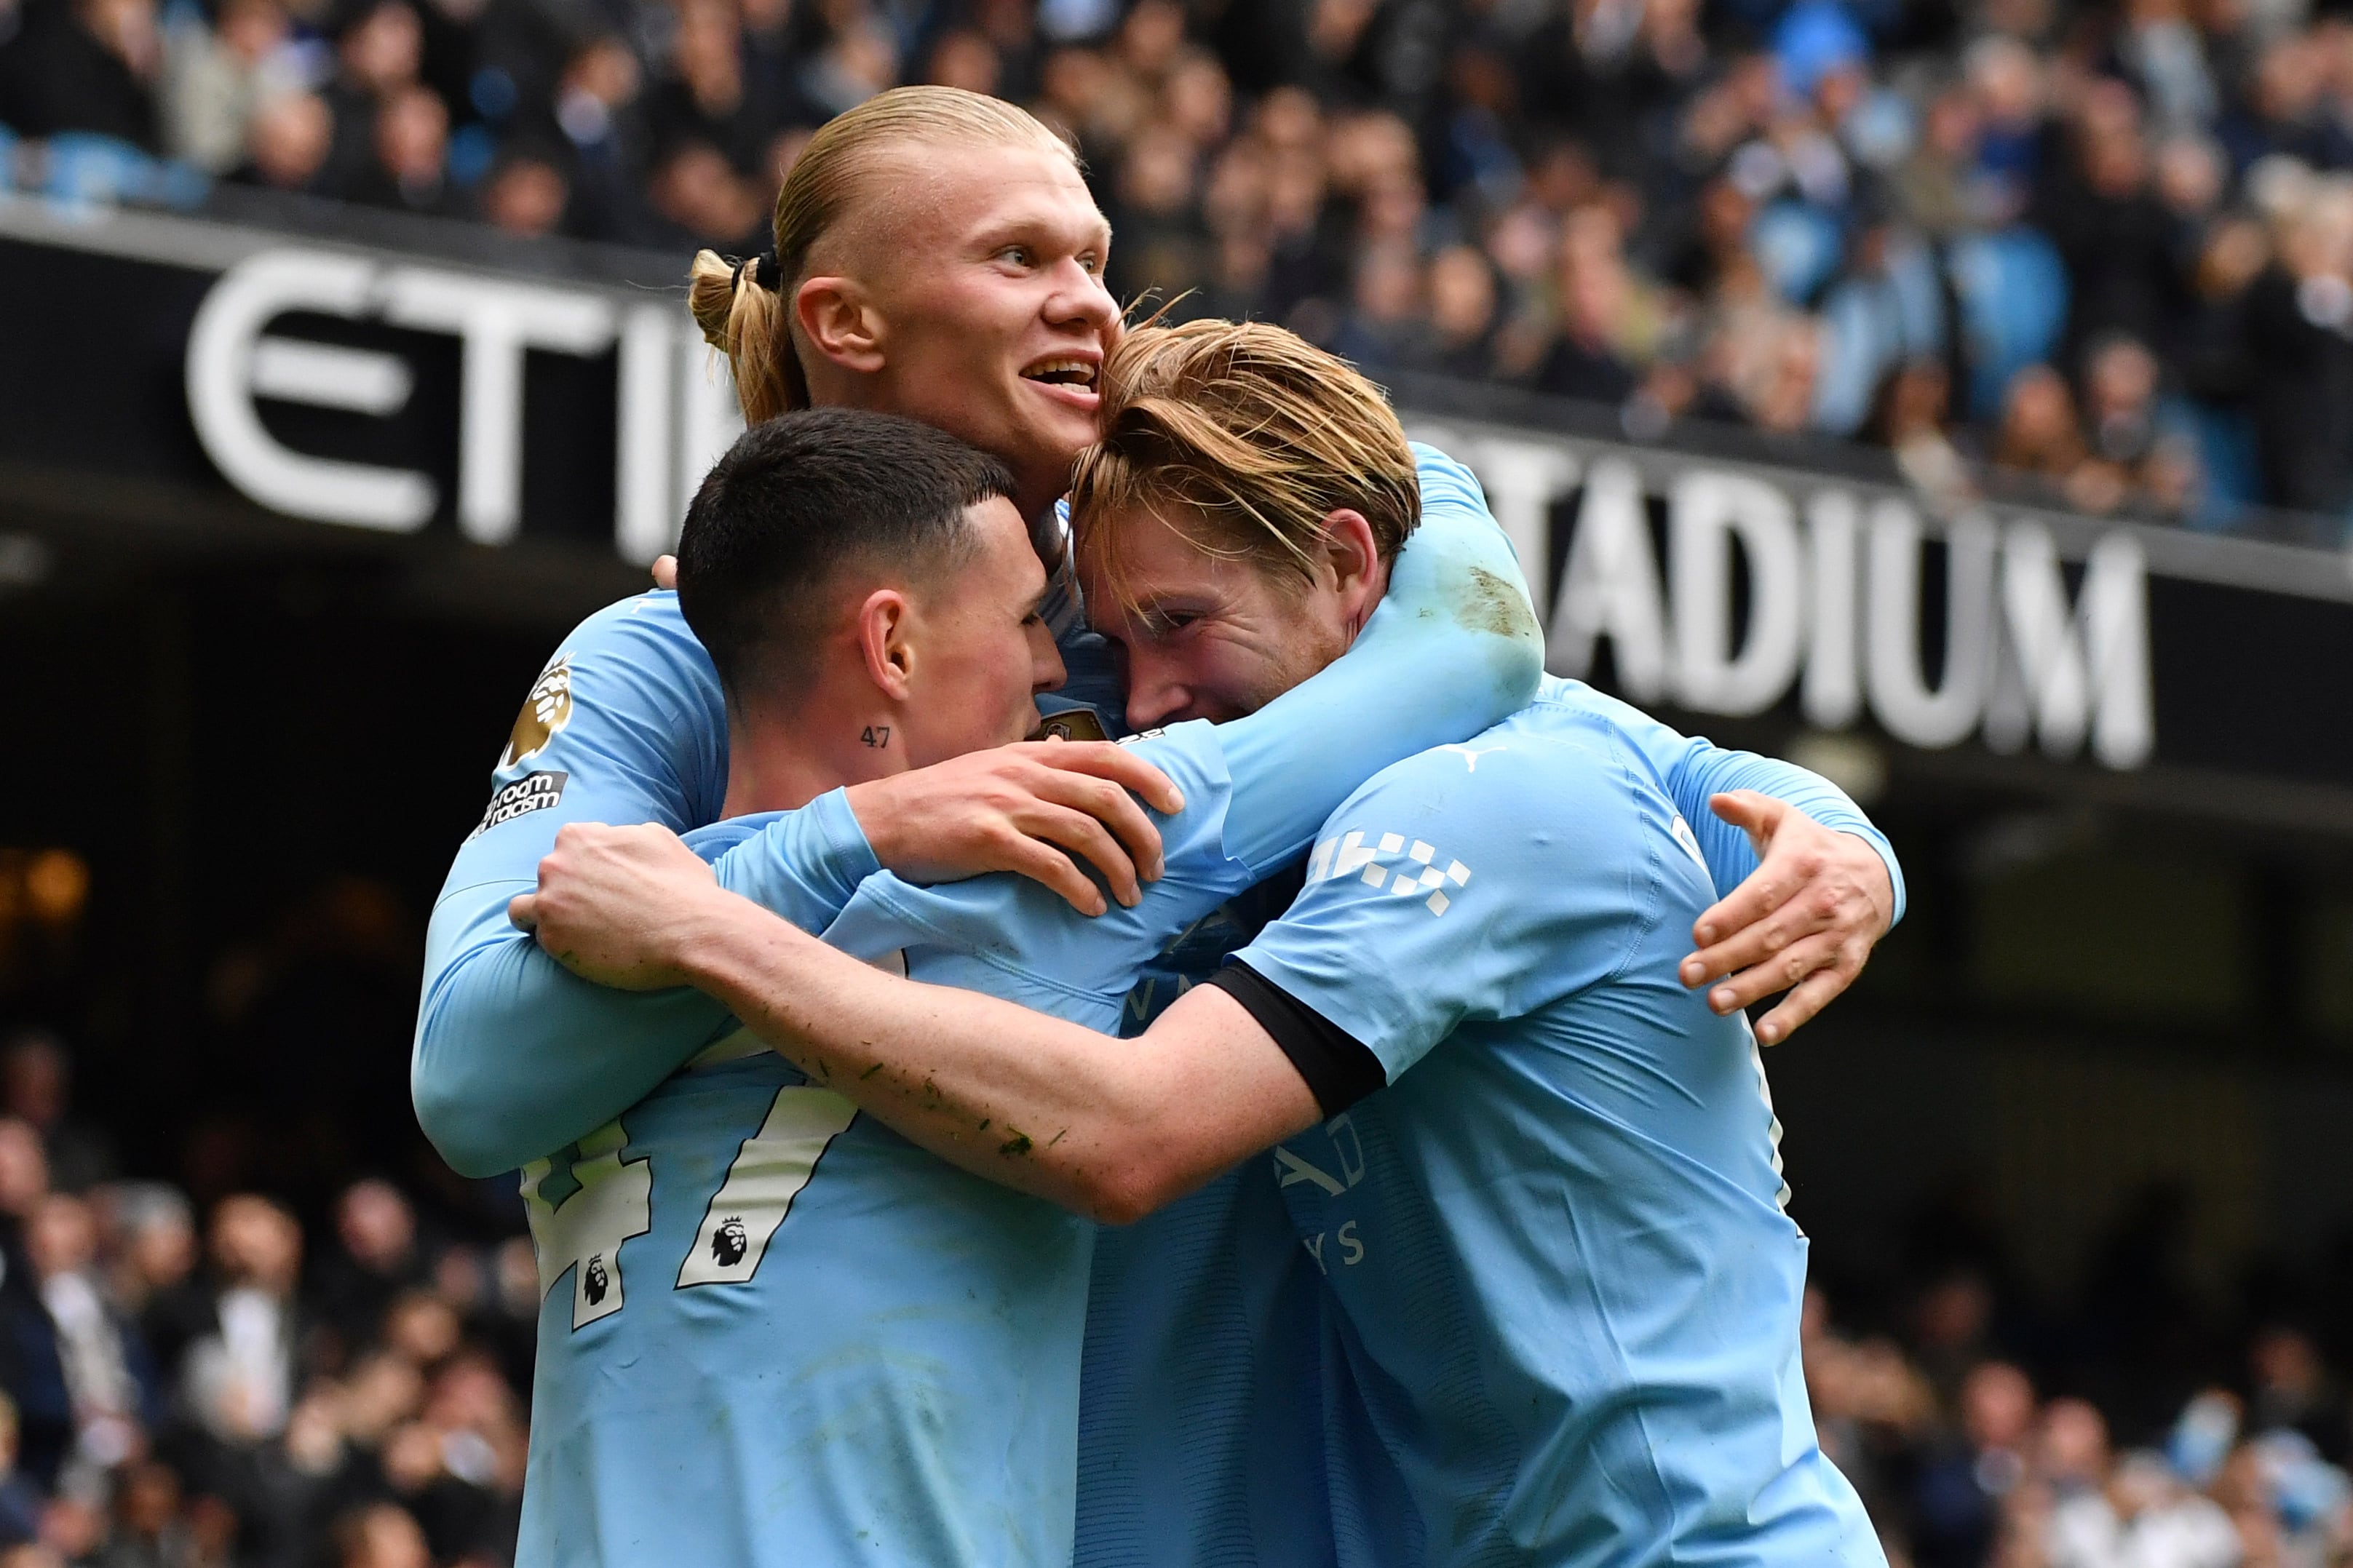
point(581, 1233)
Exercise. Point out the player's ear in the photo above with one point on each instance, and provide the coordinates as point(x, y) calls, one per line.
point(839, 322)
point(1353, 559)
point(885, 629)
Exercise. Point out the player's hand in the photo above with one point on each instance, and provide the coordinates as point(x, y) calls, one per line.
point(1805, 920)
point(665, 571)
point(1020, 808)
point(616, 905)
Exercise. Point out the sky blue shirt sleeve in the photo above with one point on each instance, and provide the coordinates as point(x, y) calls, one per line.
point(1693, 768)
point(1457, 888)
point(515, 1056)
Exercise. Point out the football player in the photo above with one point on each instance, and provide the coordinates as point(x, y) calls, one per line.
point(1541, 1176)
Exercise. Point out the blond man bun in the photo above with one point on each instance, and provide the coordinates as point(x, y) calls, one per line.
point(751, 323)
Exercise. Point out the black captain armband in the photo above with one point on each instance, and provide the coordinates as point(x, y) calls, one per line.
point(1340, 1070)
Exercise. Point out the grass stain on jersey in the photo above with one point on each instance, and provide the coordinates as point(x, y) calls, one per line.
point(1489, 603)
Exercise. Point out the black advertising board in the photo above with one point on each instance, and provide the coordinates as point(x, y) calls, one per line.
point(429, 387)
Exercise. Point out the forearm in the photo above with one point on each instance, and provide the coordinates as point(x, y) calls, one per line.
point(1024, 1099)
point(516, 1058)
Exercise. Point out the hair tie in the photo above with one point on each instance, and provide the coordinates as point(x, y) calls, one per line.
point(762, 269)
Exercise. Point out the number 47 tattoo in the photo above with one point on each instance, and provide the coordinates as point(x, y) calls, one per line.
point(877, 735)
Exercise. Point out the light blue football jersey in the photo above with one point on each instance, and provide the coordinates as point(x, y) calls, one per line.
point(1202, 1437)
point(1566, 1289)
point(899, 1382)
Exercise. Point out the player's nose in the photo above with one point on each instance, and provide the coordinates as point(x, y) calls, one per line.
point(1155, 696)
point(1079, 299)
point(1047, 671)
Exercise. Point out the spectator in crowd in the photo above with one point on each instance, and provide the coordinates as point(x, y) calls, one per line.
point(380, 1535)
point(239, 1377)
point(20, 1501)
point(703, 201)
point(1908, 418)
point(150, 1529)
point(526, 195)
point(375, 1258)
point(2120, 243)
point(217, 78)
point(2039, 436)
point(410, 173)
point(35, 1088)
point(85, 65)
point(2297, 332)
point(1462, 313)
point(1958, 1501)
point(152, 1280)
point(287, 145)
point(381, 51)
point(1596, 343)
point(597, 108)
point(101, 1364)
point(2291, 1391)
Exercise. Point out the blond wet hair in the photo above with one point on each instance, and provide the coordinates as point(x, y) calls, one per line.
point(1247, 437)
point(751, 322)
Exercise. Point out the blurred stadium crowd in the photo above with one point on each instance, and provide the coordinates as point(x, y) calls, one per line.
point(2106, 247)
point(201, 1390)
point(223, 1387)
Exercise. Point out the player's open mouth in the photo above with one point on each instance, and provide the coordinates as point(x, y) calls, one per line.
point(1073, 375)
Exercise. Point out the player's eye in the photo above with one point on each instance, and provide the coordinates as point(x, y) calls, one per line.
point(1019, 254)
point(1092, 263)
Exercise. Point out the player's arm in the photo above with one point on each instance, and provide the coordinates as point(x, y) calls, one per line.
point(1108, 1128)
point(1348, 990)
point(515, 1057)
point(1814, 883)
point(623, 726)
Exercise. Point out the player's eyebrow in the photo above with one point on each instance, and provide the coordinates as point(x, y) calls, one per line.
point(1035, 228)
point(1152, 607)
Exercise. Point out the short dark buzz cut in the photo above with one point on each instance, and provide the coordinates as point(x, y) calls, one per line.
point(800, 500)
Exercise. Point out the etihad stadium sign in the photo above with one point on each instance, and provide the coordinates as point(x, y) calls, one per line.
point(1753, 587)
point(1833, 583)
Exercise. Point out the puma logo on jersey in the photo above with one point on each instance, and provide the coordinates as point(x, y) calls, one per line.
point(1348, 855)
point(1688, 839)
point(1470, 756)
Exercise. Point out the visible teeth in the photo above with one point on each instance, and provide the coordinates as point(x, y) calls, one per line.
point(1062, 372)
